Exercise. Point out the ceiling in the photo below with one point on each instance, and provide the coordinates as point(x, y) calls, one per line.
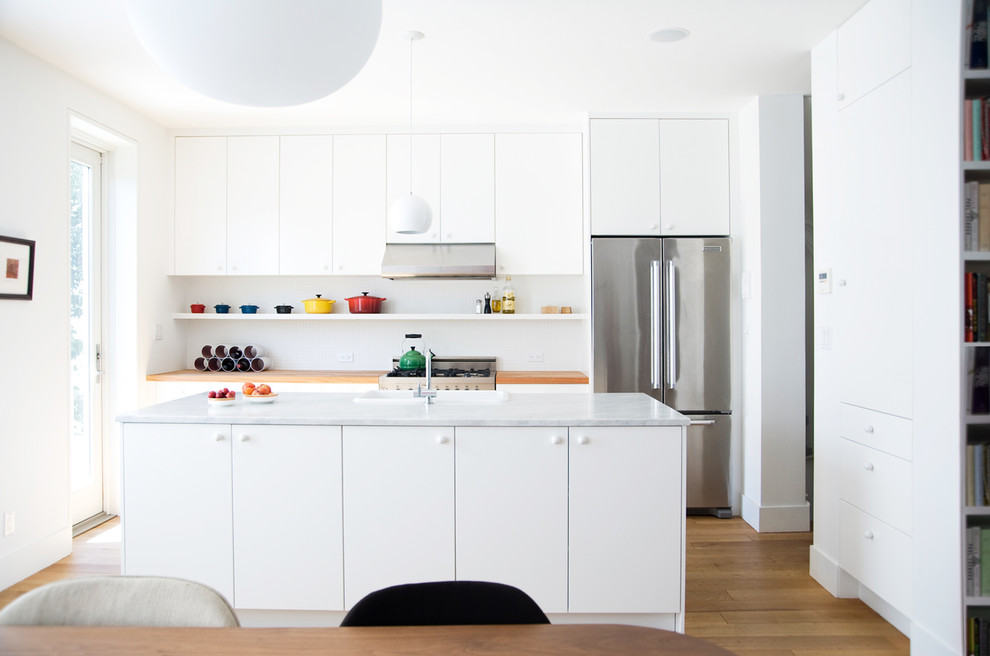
point(483, 62)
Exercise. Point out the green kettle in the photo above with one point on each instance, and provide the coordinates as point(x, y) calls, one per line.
point(412, 359)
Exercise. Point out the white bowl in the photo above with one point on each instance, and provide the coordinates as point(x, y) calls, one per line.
point(267, 398)
point(220, 402)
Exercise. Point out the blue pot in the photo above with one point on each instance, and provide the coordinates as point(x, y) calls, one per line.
point(222, 309)
point(249, 309)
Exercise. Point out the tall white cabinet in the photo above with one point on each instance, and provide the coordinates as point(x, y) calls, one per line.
point(886, 134)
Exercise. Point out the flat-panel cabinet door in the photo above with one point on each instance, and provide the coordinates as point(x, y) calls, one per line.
point(398, 507)
point(467, 188)
point(358, 204)
point(425, 180)
point(625, 177)
point(288, 542)
point(177, 503)
point(874, 336)
point(512, 510)
point(252, 206)
point(305, 222)
point(626, 495)
point(539, 222)
point(694, 177)
point(201, 206)
point(872, 47)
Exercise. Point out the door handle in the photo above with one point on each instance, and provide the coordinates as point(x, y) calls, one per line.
point(671, 328)
point(702, 422)
point(655, 373)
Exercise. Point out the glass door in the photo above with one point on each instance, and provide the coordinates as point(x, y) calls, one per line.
point(86, 324)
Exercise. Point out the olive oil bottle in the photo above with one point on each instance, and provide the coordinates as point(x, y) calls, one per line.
point(508, 297)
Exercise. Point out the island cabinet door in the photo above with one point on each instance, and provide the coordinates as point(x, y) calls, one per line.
point(512, 510)
point(398, 507)
point(288, 551)
point(626, 520)
point(176, 503)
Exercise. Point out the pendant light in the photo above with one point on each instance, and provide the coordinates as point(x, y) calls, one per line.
point(410, 215)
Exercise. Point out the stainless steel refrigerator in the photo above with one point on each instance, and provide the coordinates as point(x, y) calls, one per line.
point(660, 325)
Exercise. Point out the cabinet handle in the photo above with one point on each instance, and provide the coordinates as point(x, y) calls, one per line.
point(219, 437)
point(655, 226)
point(245, 438)
point(326, 267)
point(220, 268)
point(670, 227)
point(442, 439)
point(557, 439)
point(868, 466)
point(841, 282)
point(869, 428)
point(583, 439)
point(840, 97)
point(868, 535)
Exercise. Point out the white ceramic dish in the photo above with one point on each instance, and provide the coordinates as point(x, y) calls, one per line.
point(220, 403)
point(267, 398)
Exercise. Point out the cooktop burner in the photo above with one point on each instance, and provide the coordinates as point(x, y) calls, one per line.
point(480, 371)
point(449, 372)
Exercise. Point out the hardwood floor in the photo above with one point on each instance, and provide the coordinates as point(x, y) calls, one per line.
point(746, 591)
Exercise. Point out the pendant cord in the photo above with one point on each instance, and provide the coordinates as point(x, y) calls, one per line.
point(410, 115)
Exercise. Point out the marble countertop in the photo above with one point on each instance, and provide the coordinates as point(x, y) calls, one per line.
point(340, 409)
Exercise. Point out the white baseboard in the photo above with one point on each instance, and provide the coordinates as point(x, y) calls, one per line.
point(776, 519)
point(924, 643)
point(33, 558)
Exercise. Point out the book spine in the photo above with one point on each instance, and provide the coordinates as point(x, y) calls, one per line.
point(968, 130)
point(970, 475)
point(974, 201)
point(983, 208)
point(984, 555)
point(980, 307)
point(978, 35)
point(978, 484)
point(968, 316)
point(985, 129)
point(981, 382)
point(977, 130)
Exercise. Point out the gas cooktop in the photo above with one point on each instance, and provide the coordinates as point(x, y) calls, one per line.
point(448, 373)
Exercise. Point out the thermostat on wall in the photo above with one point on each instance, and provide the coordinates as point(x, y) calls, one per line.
point(825, 281)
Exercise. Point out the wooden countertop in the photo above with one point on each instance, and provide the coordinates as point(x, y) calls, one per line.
point(355, 377)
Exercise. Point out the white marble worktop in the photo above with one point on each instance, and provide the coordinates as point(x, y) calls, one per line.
point(341, 410)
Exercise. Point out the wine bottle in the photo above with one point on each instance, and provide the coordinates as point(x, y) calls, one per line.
point(508, 297)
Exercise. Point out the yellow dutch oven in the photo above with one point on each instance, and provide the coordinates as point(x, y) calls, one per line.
point(318, 305)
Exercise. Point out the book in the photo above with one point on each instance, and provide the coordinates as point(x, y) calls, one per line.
point(976, 118)
point(985, 129)
point(972, 558)
point(981, 381)
point(983, 224)
point(968, 317)
point(978, 475)
point(971, 216)
point(968, 130)
point(978, 35)
point(984, 555)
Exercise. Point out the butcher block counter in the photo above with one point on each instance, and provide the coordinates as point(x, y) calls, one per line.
point(357, 377)
point(296, 509)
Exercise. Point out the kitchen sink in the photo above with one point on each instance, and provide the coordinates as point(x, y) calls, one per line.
point(443, 397)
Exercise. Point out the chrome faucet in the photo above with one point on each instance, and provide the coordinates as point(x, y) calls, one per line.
point(429, 393)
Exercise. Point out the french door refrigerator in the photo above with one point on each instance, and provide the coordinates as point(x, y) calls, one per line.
point(660, 325)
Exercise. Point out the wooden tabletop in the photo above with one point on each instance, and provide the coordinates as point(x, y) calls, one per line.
point(537, 639)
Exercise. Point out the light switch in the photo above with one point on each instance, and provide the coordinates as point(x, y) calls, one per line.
point(826, 338)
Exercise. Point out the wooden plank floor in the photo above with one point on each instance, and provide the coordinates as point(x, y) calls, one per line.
point(746, 591)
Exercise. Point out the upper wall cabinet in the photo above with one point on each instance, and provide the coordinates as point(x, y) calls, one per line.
point(305, 205)
point(201, 206)
point(872, 47)
point(659, 177)
point(358, 204)
point(252, 206)
point(539, 204)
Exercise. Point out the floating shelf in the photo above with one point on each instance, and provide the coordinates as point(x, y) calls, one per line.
point(377, 317)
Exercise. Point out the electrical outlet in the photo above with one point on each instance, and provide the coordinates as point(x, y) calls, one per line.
point(157, 332)
point(345, 357)
point(8, 524)
point(534, 357)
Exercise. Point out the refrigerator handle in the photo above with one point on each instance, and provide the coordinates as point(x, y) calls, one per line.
point(671, 328)
point(655, 373)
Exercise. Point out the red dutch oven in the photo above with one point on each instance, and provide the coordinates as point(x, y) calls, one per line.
point(365, 304)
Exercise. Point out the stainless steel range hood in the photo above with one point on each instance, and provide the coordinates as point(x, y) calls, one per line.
point(467, 261)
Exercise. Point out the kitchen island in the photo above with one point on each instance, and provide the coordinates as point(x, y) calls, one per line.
point(295, 510)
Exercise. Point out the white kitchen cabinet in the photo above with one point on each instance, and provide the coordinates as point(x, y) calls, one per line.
point(398, 507)
point(467, 188)
point(287, 510)
point(425, 180)
point(539, 223)
point(358, 204)
point(511, 496)
point(872, 47)
point(694, 177)
point(252, 206)
point(625, 554)
point(200, 206)
point(625, 176)
point(874, 334)
point(305, 218)
point(177, 503)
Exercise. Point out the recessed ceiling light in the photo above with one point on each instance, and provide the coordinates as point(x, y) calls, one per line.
point(669, 35)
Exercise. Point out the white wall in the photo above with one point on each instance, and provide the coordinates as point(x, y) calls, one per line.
point(773, 313)
point(34, 348)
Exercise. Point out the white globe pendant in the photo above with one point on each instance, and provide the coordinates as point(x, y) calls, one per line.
point(263, 53)
point(410, 215)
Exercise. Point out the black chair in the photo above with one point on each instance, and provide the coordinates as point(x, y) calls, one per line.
point(445, 602)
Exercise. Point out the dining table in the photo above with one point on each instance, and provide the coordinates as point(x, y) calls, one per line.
point(476, 640)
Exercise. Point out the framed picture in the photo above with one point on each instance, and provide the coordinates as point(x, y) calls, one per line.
point(16, 268)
